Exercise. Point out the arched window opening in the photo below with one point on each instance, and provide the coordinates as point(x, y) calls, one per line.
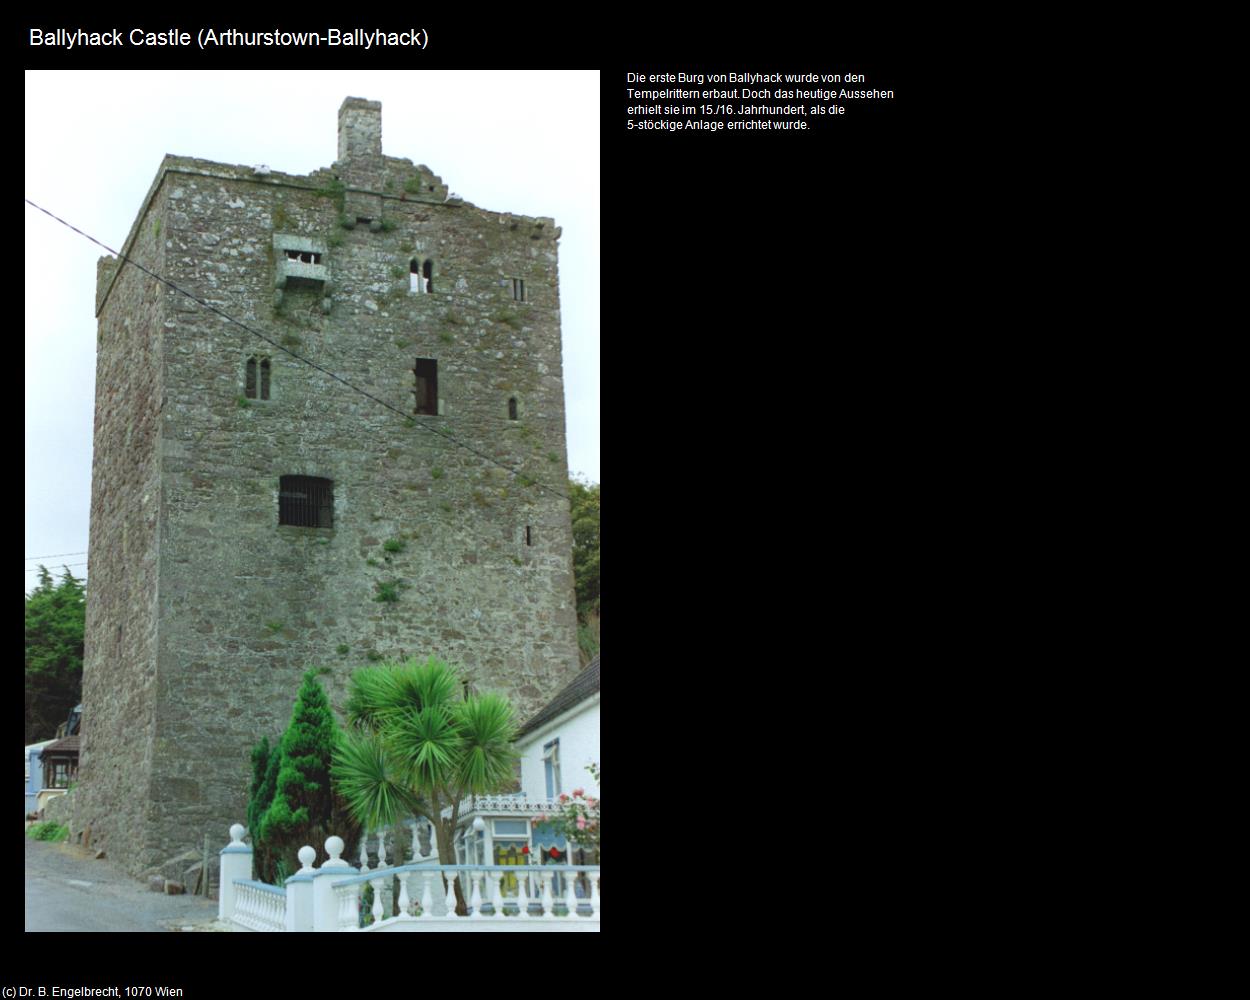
point(249, 380)
point(512, 408)
point(264, 378)
point(427, 270)
point(415, 283)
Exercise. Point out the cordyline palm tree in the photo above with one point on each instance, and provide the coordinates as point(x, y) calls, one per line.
point(414, 749)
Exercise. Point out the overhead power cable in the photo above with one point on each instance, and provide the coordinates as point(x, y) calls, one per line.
point(285, 350)
point(57, 555)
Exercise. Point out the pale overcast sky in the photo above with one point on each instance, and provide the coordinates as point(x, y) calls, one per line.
point(523, 142)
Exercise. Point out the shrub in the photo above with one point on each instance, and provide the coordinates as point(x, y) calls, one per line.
point(49, 831)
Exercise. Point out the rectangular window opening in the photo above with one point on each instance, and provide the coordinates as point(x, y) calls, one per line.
point(306, 502)
point(551, 767)
point(426, 387)
point(518, 289)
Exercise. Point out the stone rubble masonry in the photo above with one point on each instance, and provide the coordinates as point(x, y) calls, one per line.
point(203, 612)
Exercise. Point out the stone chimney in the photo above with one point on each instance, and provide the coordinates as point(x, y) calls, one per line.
point(360, 130)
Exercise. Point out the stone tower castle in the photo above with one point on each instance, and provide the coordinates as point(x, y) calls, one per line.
point(252, 517)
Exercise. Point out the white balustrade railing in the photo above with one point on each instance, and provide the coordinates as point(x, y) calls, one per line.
point(531, 896)
point(258, 906)
point(503, 897)
point(505, 804)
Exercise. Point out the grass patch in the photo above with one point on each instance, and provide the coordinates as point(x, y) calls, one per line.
point(343, 649)
point(387, 593)
point(243, 402)
point(436, 473)
point(394, 545)
point(48, 831)
point(274, 626)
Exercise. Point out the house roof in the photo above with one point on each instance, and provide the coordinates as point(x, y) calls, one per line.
point(578, 690)
point(69, 745)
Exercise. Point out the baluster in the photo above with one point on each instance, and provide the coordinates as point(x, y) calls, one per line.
point(451, 895)
point(549, 906)
point(497, 902)
point(570, 895)
point(594, 894)
point(364, 852)
point(404, 901)
point(382, 849)
point(476, 900)
point(355, 897)
point(415, 840)
point(522, 893)
point(377, 899)
point(427, 897)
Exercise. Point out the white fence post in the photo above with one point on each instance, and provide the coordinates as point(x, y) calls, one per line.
point(325, 904)
point(299, 893)
point(236, 862)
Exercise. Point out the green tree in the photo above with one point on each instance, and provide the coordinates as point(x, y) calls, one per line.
point(55, 617)
point(584, 512)
point(415, 749)
point(302, 810)
point(265, 764)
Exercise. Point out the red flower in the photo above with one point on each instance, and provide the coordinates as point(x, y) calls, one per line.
point(555, 853)
point(525, 849)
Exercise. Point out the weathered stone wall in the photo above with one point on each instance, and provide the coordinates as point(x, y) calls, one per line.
point(120, 659)
point(244, 605)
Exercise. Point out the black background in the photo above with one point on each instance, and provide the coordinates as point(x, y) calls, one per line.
point(767, 403)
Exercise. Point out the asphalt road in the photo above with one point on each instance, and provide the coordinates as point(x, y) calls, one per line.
point(67, 891)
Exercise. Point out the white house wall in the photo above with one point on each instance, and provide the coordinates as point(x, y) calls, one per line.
point(578, 733)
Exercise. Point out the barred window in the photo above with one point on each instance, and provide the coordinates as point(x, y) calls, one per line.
point(306, 502)
point(518, 289)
